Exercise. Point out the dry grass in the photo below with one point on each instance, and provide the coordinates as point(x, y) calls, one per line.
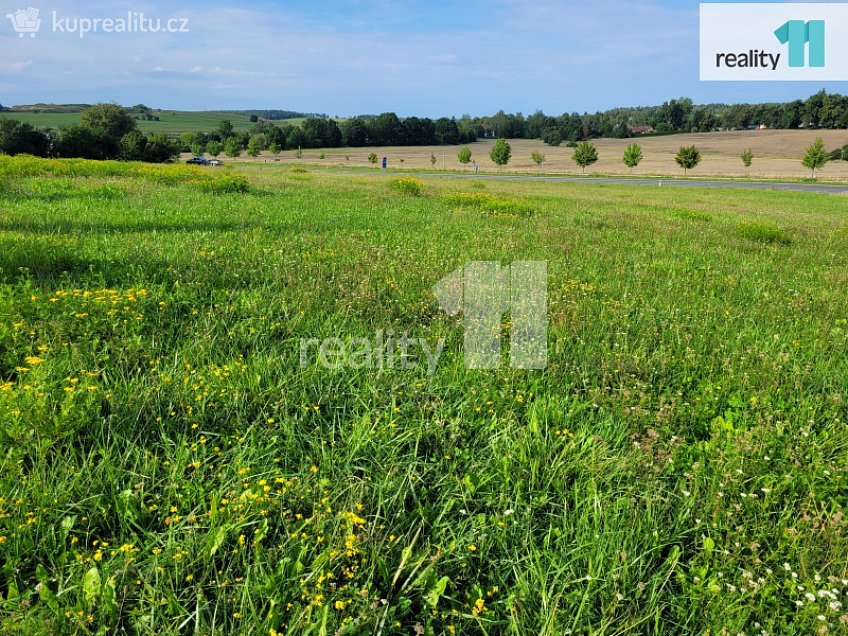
point(777, 154)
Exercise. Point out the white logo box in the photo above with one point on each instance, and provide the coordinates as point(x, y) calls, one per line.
point(741, 29)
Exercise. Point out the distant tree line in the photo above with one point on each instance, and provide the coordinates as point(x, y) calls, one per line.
point(821, 110)
point(108, 131)
point(273, 115)
point(386, 129)
point(105, 131)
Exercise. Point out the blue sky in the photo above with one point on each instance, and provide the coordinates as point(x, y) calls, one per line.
point(346, 57)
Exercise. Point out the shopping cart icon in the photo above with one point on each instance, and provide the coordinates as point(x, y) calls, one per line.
point(25, 21)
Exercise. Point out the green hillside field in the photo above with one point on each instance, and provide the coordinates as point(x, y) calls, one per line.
point(172, 122)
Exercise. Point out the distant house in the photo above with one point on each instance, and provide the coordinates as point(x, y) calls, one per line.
point(641, 130)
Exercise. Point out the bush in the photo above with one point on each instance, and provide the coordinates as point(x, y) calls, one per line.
point(407, 185)
point(489, 203)
point(762, 233)
point(226, 184)
point(840, 154)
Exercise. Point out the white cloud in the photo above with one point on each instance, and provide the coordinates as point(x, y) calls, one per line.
point(19, 66)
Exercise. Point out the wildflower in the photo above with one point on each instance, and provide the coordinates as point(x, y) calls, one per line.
point(479, 607)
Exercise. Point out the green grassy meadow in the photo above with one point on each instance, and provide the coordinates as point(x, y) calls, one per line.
point(169, 467)
point(170, 122)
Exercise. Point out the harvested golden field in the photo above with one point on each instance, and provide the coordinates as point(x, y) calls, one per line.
point(777, 154)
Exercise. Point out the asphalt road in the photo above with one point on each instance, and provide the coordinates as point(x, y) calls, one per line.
point(672, 183)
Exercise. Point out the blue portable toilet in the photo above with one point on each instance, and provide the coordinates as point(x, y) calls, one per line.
point(385, 162)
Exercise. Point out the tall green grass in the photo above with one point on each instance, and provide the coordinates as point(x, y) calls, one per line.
point(169, 466)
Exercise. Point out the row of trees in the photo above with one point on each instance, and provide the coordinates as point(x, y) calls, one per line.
point(386, 129)
point(105, 131)
point(677, 115)
point(586, 154)
point(821, 110)
point(687, 157)
point(108, 131)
